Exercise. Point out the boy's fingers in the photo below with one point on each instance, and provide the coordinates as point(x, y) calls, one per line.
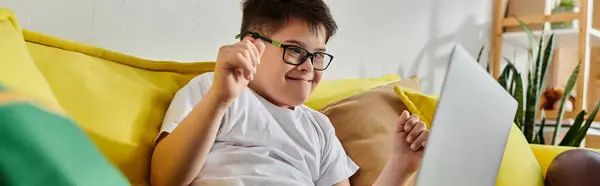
point(250, 43)
point(415, 132)
point(260, 46)
point(244, 63)
point(411, 123)
point(401, 121)
point(421, 140)
point(249, 58)
point(253, 52)
point(248, 63)
point(256, 55)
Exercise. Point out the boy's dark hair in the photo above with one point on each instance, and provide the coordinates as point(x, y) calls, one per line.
point(268, 16)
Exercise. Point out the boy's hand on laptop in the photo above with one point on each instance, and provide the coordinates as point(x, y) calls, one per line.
point(235, 67)
point(410, 139)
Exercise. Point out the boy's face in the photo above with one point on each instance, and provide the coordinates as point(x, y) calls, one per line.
point(283, 84)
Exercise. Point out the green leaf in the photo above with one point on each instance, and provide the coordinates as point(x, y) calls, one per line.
point(543, 68)
point(518, 123)
point(561, 109)
point(528, 122)
point(512, 84)
point(540, 133)
point(583, 131)
point(567, 3)
point(509, 81)
point(518, 95)
point(533, 95)
point(529, 81)
point(532, 40)
point(539, 136)
point(480, 53)
point(516, 91)
point(548, 54)
point(538, 66)
point(530, 111)
point(504, 77)
point(570, 136)
point(536, 69)
point(536, 140)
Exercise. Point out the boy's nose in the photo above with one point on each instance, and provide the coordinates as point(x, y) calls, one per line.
point(307, 66)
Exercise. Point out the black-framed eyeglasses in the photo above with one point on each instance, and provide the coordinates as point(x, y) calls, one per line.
point(295, 55)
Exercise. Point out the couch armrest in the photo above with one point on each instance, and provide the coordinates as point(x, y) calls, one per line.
point(546, 153)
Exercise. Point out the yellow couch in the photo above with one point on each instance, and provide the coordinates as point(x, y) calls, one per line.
point(119, 100)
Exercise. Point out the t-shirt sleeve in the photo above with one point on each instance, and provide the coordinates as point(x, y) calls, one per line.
point(336, 166)
point(183, 102)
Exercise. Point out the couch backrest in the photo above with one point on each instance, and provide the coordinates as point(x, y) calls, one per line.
point(117, 99)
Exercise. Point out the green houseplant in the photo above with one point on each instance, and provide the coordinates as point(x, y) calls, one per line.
point(528, 98)
point(562, 7)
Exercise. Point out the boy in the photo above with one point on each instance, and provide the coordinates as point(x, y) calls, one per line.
point(245, 123)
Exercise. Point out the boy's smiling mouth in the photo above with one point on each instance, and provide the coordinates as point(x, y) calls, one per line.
point(307, 79)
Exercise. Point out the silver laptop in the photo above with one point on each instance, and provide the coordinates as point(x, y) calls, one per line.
point(470, 127)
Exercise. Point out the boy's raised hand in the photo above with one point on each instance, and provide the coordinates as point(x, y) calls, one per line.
point(235, 67)
point(410, 139)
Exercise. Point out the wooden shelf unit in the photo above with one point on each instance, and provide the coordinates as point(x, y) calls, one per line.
point(583, 38)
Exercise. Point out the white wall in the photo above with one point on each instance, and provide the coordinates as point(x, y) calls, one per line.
point(376, 37)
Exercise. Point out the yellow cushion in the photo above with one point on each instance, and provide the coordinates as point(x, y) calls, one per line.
point(17, 69)
point(330, 91)
point(118, 100)
point(545, 154)
point(418, 103)
point(519, 165)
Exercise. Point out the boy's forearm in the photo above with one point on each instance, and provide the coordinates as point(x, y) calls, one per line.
point(179, 157)
point(394, 173)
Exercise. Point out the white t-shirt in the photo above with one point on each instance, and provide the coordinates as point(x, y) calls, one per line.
point(259, 143)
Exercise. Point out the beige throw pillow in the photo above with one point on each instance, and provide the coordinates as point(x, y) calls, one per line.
point(364, 124)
